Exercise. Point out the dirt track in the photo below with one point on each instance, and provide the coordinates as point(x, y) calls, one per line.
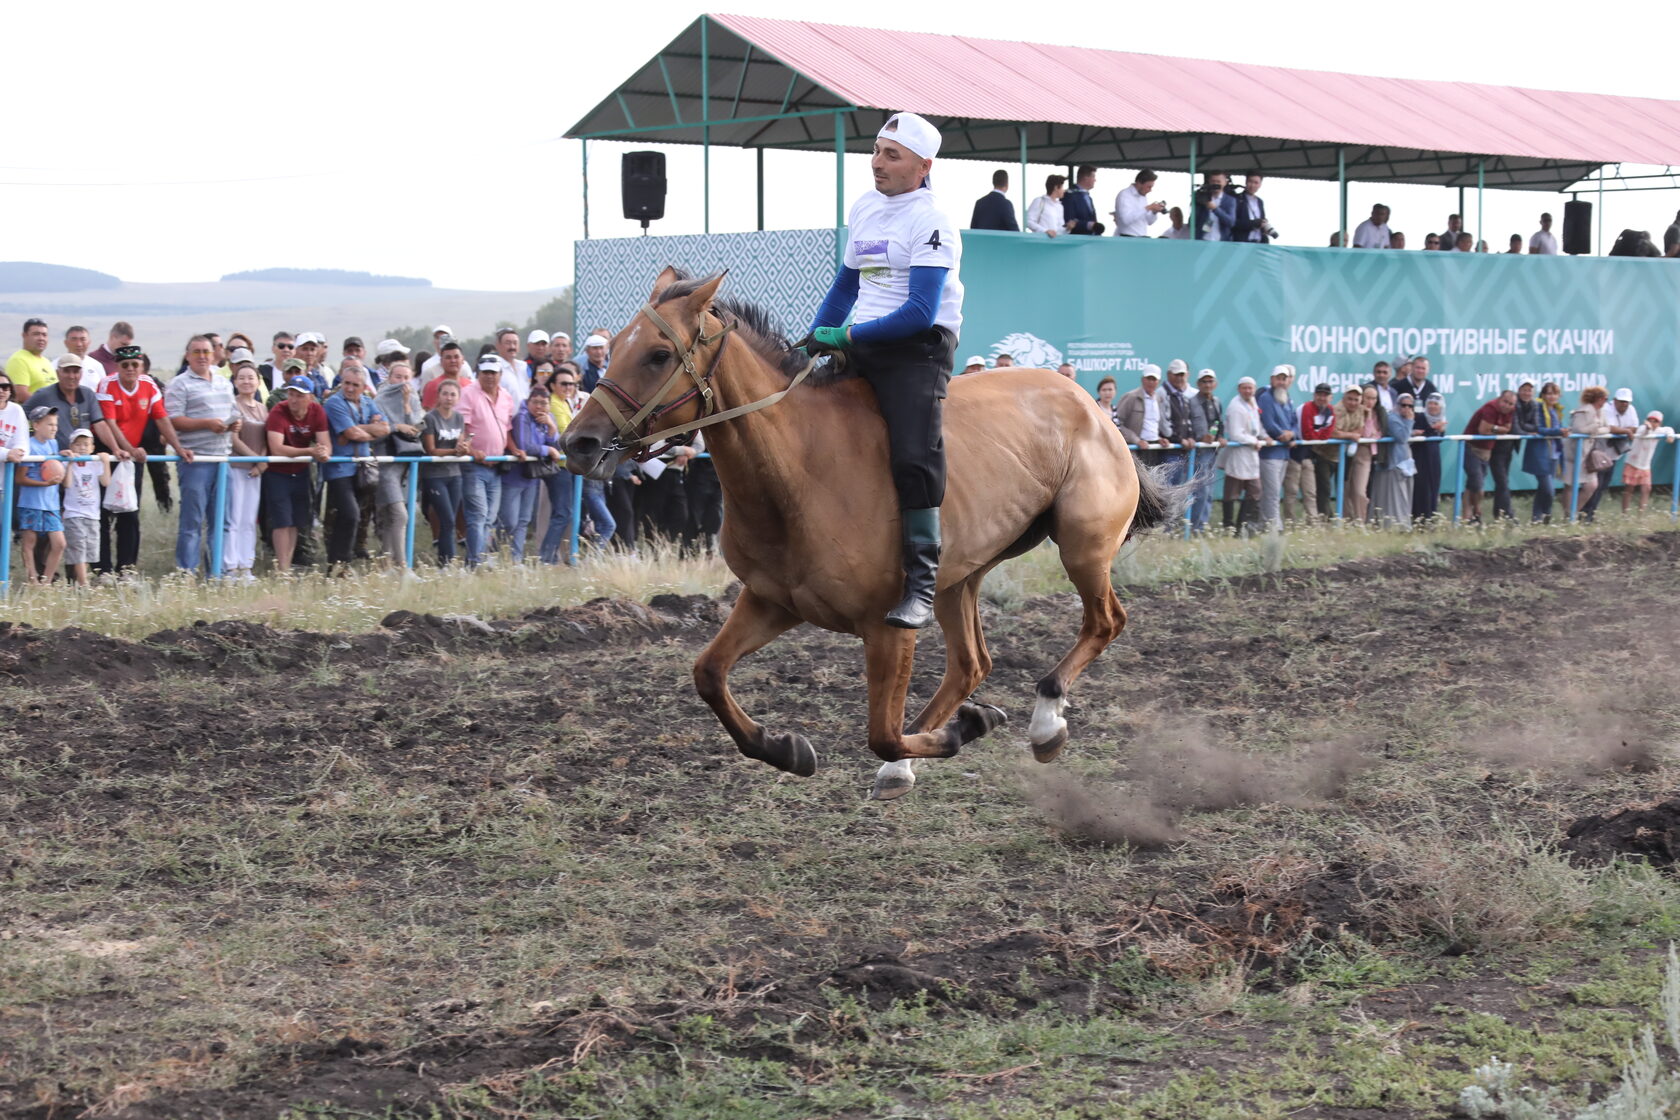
point(362, 870)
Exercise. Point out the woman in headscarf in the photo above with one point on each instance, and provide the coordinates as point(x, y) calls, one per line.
point(1352, 418)
point(1431, 424)
point(1541, 419)
point(1596, 458)
point(1240, 458)
point(1392, 478)
point(400, 402)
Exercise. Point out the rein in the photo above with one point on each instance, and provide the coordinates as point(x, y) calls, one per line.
point(609, 394)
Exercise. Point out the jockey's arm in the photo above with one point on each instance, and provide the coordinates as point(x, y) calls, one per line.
point(842, 296)
point(927, 285)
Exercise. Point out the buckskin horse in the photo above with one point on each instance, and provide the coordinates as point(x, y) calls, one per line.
point(810, 528)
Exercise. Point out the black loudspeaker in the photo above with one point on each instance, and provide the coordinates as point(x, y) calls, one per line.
point(1577, 227)
point(644, 186)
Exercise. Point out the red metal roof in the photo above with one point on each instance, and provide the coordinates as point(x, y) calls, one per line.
point(956, 76)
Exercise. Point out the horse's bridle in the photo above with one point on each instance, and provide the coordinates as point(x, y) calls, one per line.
point(632, 431)
point(631, 434)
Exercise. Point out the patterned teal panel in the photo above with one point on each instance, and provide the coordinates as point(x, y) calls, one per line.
point(786, 271)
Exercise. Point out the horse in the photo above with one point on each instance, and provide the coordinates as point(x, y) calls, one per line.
point(811, 516)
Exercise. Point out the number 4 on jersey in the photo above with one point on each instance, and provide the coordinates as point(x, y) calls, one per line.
point(933, 242)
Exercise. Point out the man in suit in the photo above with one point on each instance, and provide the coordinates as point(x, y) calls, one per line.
point(1077, 207)
point(1251, 223)
point(1217, 209)
point(994, 210)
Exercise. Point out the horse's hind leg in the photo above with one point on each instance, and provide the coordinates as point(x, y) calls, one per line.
point(967, 663)
point(752, 624)
point(1087, 549)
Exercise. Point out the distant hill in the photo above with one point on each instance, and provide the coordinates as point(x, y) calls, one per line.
point(327, 276)
point(33, 276)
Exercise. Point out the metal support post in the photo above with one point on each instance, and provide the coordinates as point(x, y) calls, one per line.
point(1575, 485)
point(218, 518)
point(1022, 130)
point(577, 512)
point(585, 146)
point(1190, 477)
point(1342, 238)
point(8, 472)
point(1191, 215)
point(1341, 478)
point(760, 189)
point(839, 186)
point(1481, 228)
point(705, 129)
point(413, 500)
point(1458, 483)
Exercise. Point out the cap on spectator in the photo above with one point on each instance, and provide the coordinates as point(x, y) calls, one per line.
point(594, 340)
point(390, 346)
point(536, 336)
point(291, 364)
point(1624, 396)
point(490, 362)
point(41, 412)
point(299, 385)
point(1241, 381)
point(443, 330)
point(1152, 371)
point(79, 433)
point(1283, 368)
point(1654, 414)
point(241, 357)
point(1178, 365)
point(310, 338)
point(558, 335)
point(1322, 387)
point(129, 354)
point(973, 360)
point(1206, 375)
point(914, 132)
point(71, 361)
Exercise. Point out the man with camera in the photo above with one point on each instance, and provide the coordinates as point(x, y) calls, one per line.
point(1218, 209)
point(1251, 222)
point(1133, 212)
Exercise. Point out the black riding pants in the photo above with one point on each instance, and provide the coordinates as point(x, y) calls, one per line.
point(909, 377)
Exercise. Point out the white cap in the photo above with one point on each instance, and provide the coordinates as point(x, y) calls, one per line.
point(389, 346)
point(1241, 381)
point(79, 433)
point(1207, 373)
point(973, 360)
point(594, 340)
point(440, 329)
point(912, 132)
point(240, 356)
point(1178, 365)
point(558, 335)
point(70, 361)
point(489, 361)
point(536, 336)
point(1656, 413)
point(1283, 368)
point(310, 336)
point(1152, 371)
point(1624, 395)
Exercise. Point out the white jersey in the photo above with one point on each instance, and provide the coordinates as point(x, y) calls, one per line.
point(887, 236)
point(81, 496)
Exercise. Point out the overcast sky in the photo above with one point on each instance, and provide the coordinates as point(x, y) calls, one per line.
point(180, 141)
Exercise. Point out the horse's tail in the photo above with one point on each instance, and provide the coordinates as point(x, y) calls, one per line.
point(1160, 501)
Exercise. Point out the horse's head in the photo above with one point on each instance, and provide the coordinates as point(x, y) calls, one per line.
point(659, 376)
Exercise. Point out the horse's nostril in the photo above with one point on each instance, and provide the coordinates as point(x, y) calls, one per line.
point(582, 445)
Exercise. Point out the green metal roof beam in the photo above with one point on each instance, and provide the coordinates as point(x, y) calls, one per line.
point(688, 125)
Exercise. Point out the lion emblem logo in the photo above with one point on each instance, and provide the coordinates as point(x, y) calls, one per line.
point(1028, 350)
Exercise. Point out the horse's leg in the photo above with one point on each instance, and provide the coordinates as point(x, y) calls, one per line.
point(888, 653)
point(1087, 547)
point(752, 624)
point(967, 663)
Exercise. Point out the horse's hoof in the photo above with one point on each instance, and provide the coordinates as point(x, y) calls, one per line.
point(975, 719)
point(791, 752)
point(890, 787)
point(1050, 748)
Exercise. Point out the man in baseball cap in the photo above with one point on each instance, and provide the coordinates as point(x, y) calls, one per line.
point(974, 364)
point(594, 363)
point(536, 353)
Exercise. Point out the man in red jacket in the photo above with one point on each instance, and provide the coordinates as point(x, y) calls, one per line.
point(1318, 417)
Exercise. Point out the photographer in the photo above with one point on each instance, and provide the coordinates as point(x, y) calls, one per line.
point(1217, 209)
point(1251, 222)
point(1133, 212)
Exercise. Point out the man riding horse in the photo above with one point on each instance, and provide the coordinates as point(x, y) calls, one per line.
point(900, 286)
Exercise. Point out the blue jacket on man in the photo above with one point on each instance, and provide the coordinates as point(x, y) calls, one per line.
point(1277, 419)
point(1248, 211)
point(1078, 208)
point(994, 211)
point(1215, 224)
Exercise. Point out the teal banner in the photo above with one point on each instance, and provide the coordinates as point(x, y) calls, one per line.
point(1485, 322)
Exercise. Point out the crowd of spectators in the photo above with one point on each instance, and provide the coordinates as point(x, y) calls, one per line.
point(1267, 446)
point(495, 417)
point(1223, 211)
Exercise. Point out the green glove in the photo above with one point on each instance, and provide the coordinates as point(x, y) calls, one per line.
point(830, 338)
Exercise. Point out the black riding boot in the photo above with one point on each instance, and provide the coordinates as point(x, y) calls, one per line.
point(1248, 517)
point(921, 569)
point(1227, 508)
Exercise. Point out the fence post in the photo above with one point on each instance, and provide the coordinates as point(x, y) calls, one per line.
point(412, 499)
point(1575, 486)
point(218, 518)
point(1673, 491)
point(8, 471)
point(1458, 482)
point(577, 513)
point(1341, 476)
point(1190, 477)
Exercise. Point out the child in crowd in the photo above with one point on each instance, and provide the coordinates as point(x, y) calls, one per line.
point(84, 482)
point(1637, 471)
point(38, 497)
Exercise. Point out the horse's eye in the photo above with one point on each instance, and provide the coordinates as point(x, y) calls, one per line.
point(659, 357)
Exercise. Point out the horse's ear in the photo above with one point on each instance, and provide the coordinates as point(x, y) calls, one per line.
point(666, 279)
point(702, 298)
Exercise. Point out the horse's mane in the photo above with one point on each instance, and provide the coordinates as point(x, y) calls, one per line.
point(759, 330)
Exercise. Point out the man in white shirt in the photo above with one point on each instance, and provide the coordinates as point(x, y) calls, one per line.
point(433, 365)
point(1133, 212)
point(76, 341)
point(1373, 232)
point(1139, 416)
point(1543, 243)
point(515, 379)
point(1044, 214)
point(1180, 230)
